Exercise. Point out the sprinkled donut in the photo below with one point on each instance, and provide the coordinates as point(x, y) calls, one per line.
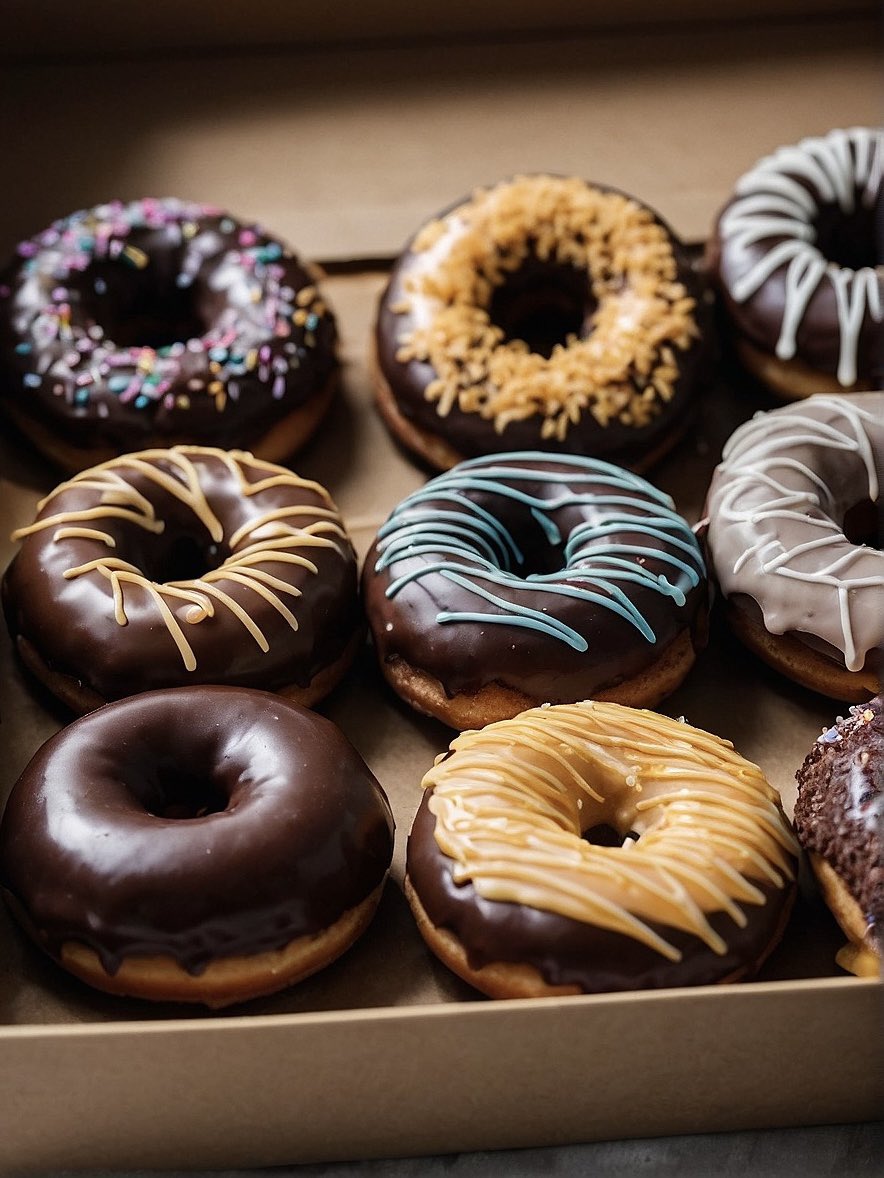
point(795, 537)
point(183, 566)
point(529, 578)
point(589, 847)
point(797, 258)
point(541, 311)
point(838, 816)
point(206, 844)
point(155, 322)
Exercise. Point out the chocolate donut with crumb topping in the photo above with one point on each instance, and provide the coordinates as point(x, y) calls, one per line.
point(838, 820)
point(544, 311)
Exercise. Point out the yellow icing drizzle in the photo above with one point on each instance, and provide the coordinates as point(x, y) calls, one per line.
point(513, 800)
point(272, 538)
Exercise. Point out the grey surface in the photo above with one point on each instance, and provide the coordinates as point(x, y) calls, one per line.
point(838, 1150)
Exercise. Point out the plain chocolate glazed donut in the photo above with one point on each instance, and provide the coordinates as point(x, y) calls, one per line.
point(195, 824)
point(530, 578)
point(184, 566)
point(155, 322)
point(542, 311)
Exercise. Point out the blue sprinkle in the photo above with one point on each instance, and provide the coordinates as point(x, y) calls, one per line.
point(142, 402)
point(118, 384)
point(100, 286)
point(227, 226)
point(218, 353)
point(311, 322)
point(830, 737)
point(23, 348)
point(183, 280)
point(270, 252)
point(81, 397)
point(31, 380)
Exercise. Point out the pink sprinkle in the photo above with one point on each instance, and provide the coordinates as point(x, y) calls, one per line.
point(247, 237)
point(278, 387)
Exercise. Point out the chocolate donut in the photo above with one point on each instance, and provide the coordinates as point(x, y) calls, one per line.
point(543, 311)
point(529, 578)
point(203, 844)
point(838, 818)
point(796, 538)
point(155, 322)
point(590, 847)
point(184, 566)
point(798, 259)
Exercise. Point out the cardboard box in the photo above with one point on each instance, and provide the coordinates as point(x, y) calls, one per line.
point(345, 152)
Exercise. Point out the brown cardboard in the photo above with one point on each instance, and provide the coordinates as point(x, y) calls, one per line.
point(386, 1053)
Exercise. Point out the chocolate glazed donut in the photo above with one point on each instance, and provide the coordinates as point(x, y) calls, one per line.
point(201, 844)
point(589, 847)
point(541, 312)
point(184, 566)
point(156, 322)
point(526, 578)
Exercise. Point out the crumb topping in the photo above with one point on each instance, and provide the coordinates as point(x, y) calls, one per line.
point(624, 370)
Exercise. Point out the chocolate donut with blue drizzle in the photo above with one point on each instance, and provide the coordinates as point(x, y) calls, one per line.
point(526, 578)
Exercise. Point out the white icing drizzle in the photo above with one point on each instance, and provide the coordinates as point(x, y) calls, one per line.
point(271, 539)
point(513, 800)
point(772, 203)
point(776, 520)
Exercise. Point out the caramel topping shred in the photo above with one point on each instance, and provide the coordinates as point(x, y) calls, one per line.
point(623, 369)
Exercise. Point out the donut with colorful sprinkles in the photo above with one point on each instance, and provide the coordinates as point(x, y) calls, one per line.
point(161, 322)
point(527, 578)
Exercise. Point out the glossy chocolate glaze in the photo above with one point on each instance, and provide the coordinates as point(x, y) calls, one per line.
point(850, 240)
point(160, 321)
point(304, 832)
point(472, 435)
point(71, 623)
point(467, 655)
point(840, 804)
point(570, 952)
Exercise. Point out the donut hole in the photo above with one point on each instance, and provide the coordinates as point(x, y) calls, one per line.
point(179, 556)
point(605, 835)
point(138, 308)
point(849, 241)
point(173, 792)
point(540, 556)
point(543, 304)
point(864, 524)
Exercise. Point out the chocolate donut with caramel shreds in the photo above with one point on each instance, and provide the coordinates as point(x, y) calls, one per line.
point(528, 578)
point(541, 312)
point(156, 322)
point(184, 566)
point(838, 818)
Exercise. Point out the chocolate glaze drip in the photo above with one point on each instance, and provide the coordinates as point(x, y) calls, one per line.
point(71, 624)
point(471, 435)
point(569, 952)
point(467, 655)
point(160, 321)
point(304, 832)
point(839, 809)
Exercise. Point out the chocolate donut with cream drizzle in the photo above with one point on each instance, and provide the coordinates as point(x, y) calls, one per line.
point(526, 578)
point(204, 844)
point(156, 322)
point(183, 566)
point(797, 256)
point(796, 538)
point(590, 847)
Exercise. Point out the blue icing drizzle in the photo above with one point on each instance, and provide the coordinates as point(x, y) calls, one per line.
point(472, 548)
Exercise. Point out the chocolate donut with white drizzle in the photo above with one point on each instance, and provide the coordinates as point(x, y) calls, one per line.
point(797, 256)
point(528, 577)
point(795, 536)
point(184, 566)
